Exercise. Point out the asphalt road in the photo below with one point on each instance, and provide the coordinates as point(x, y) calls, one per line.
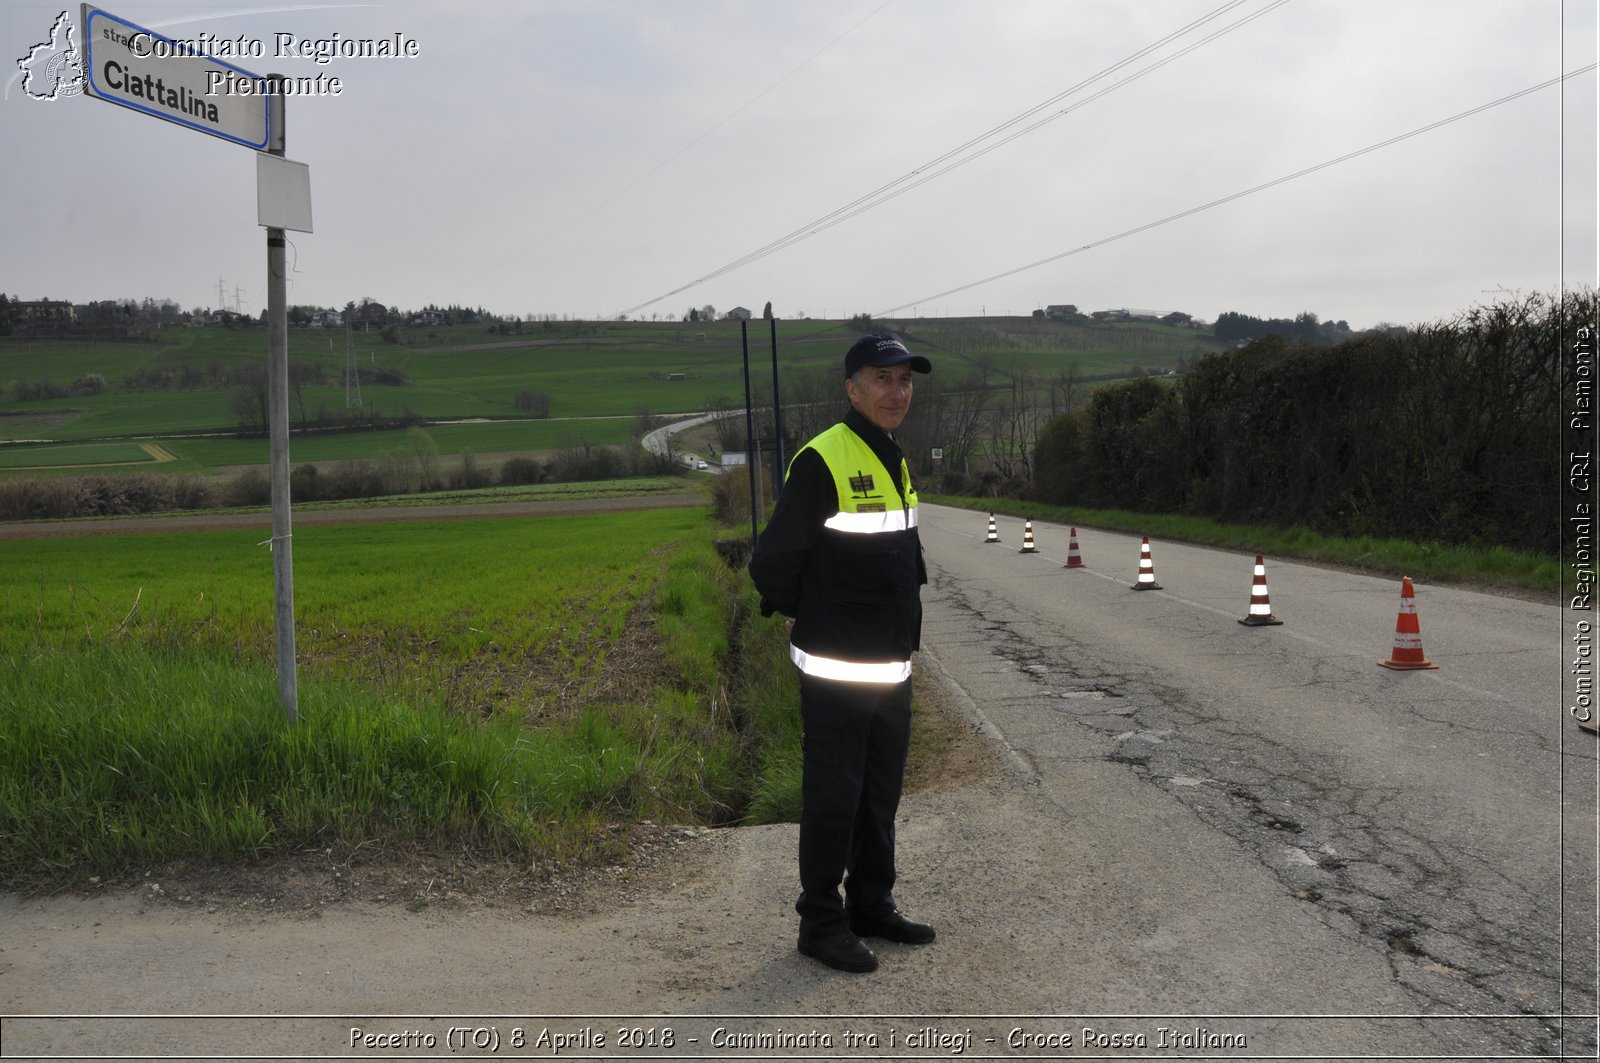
point(1443, 822)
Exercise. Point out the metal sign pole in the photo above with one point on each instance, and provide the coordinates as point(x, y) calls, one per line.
point(118, 58)
point(777, 413)
point(278, 416)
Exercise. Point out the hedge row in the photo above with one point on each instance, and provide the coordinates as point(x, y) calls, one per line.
point(1448, 432)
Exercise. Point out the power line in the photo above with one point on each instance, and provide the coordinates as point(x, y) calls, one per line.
point(816, 228)
point(1249, 191)
point(664, 163)
point(891, 190)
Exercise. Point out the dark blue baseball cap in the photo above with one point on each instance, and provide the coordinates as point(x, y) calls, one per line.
point(880, 352)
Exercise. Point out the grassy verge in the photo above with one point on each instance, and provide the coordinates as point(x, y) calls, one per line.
point(767, 700)
point(129, 758)
point(1494, 568)
point(154, 735)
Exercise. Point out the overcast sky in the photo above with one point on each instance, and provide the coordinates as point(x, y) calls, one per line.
point(589, 157)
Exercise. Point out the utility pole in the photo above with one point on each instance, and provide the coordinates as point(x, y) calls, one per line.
point(352, 381)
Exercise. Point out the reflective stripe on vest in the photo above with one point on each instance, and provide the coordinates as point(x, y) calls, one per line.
point(872, 523)
point(850, 671)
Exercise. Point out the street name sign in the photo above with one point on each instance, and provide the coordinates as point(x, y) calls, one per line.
point(138, 68)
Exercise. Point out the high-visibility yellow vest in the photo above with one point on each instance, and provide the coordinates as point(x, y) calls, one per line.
point(869, 504)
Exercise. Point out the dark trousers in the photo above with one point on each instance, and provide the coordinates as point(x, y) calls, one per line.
point(856, 737)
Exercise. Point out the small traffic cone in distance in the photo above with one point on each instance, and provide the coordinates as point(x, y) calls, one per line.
point(1074, 559)
point(994, 534)
point(1147, 569)
point(1407, 652)
point(1027, 539)
point(1260, 601)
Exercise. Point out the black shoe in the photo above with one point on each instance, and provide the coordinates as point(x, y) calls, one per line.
point(894, 927)
point(842, 951)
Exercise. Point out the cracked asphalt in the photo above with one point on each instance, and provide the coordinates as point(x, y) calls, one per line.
point(1443, 821)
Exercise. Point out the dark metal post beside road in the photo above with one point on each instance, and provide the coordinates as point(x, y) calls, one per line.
point(750, 448)
point(777, 415)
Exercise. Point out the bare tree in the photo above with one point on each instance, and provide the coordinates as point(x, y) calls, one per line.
point(949, 416)
point(533, 402)
point(248, 403)
point(1064, 391)
point(813, 400)
point(1014, 426)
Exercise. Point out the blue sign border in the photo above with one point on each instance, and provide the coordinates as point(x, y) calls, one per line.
point(88, 75)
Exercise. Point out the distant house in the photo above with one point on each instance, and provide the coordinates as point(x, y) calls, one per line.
point(54, 310)
point(1123, 314)
point(1061, 312)
point(738, 313)
point(327, 319)
point(426, 317)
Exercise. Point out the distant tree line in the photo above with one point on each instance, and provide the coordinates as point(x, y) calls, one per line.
point(250, 400)
point(413, 466)
point(87, 384)
point(1306, 328)
point(1442, 432)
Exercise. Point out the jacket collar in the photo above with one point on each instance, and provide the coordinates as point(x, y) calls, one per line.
point(876, 438)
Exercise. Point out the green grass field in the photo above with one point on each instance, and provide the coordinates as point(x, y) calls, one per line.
point(503, 685)
point(443, 597)
point(76, 455)
point(204, 455)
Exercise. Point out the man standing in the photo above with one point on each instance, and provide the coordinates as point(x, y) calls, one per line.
point(842, 561)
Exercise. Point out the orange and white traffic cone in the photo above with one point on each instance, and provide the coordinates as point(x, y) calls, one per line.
point(1147, 569)
point(1260, 602)
point(1074, 559)
point(994, 534)
point(1027, 539)
point(1407, 652)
